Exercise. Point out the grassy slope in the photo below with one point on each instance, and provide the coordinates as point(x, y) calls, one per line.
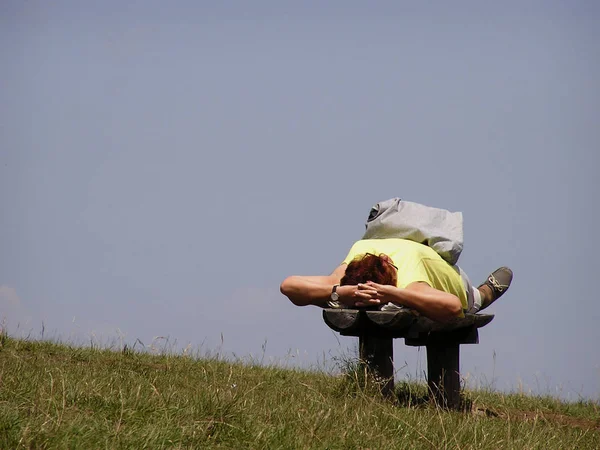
point(56, 396)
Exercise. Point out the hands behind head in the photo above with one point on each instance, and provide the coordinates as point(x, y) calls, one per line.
point(366, 294)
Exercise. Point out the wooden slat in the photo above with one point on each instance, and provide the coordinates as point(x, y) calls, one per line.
point(403, 323)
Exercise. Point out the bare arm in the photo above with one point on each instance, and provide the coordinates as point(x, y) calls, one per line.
point(312, 290)
point(433, 303)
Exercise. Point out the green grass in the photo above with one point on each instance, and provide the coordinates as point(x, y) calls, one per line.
point(60, 396)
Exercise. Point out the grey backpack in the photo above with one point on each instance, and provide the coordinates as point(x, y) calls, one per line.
point(440, 229)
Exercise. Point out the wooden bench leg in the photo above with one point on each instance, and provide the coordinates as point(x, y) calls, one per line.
point(378, 354)
point(443, 375)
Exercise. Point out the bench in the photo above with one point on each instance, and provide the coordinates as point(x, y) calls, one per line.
point(377, 329)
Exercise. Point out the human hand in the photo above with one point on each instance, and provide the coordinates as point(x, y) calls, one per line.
point(348, 295)
point(374, 294)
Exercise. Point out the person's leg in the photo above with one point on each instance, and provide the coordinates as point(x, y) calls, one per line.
point(474, 297)
point(489, 291)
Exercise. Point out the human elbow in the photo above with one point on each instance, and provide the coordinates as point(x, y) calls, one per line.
point(454, 308)
point(288, 288)
point(451, 310)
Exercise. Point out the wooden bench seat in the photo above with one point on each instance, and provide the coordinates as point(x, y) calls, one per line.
point(377, 329)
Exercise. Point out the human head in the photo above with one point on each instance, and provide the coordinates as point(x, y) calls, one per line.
point(369, 267)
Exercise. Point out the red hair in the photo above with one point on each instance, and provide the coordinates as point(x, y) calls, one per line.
point(369, 267)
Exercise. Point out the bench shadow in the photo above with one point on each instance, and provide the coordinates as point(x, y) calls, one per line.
point(418, 395)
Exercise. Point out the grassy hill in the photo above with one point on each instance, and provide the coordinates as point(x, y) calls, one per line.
point(59, 396)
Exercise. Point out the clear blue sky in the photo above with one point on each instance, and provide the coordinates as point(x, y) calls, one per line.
point(164, 166)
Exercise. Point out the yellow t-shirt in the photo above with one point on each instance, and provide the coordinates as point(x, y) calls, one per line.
point(415, 262)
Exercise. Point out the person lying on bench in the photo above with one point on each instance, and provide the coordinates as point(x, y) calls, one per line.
point(395, 273)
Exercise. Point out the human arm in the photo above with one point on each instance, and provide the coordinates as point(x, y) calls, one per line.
point(316, 290)
point(430, 302)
